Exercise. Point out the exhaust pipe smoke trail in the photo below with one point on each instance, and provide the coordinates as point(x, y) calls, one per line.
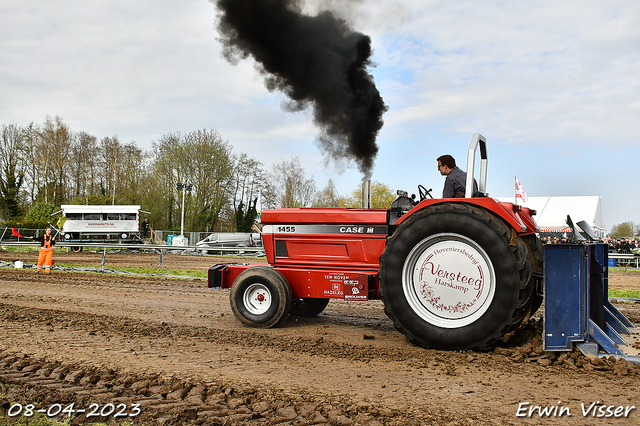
point(318, 62)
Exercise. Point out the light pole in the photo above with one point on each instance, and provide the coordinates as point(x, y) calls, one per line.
point(183, 187)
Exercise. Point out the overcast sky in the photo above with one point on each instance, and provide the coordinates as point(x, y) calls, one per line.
point(553, 86)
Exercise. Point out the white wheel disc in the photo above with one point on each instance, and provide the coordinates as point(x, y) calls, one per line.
point(257, 299)
point(448, 280)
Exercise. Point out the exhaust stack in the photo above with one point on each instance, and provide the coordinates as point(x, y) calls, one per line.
point(366, 194)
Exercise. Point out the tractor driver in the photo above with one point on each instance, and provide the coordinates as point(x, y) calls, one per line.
point(456, 180)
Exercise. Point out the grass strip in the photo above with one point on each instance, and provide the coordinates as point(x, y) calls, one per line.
point(632, 294)
point(185, 272)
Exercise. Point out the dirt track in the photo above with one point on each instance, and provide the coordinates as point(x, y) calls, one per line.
point(173, 346)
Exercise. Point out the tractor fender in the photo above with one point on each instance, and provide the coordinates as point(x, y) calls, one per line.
point(504, 210)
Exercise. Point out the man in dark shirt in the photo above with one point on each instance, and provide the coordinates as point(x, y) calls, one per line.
point(145, 228)
point(456, 181)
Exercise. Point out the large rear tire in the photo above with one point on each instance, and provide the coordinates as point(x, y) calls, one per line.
point(260, 297)
point(454, 276)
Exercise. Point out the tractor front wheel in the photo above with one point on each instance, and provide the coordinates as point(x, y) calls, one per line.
point(260, 297)
point(454, 276)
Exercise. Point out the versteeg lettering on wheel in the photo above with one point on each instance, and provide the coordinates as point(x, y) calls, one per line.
point(260, 297)
point(454, 276)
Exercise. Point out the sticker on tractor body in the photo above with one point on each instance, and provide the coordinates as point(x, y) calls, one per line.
point(356, 288)
point(326, 229)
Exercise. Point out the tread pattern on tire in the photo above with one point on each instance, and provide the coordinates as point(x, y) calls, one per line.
point(493, 227)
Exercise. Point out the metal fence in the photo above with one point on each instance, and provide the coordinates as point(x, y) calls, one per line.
point(8, 239)
point(622, 260)
point(6, 235)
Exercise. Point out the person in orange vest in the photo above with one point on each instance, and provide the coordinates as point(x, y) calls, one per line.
point(47, 241)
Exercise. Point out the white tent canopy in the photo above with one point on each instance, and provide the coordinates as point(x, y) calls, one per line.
point(552, 212)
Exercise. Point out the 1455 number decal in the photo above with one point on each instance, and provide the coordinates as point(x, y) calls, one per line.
point(286, 229)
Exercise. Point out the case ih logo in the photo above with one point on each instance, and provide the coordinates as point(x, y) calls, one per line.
point(451, 279)
point(357, 230)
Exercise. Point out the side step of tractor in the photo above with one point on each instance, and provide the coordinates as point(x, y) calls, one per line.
point(577, 309)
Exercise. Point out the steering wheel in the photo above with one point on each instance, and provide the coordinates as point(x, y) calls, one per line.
point(424, 193)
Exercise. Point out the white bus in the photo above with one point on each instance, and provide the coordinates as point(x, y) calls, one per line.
point(101, 222)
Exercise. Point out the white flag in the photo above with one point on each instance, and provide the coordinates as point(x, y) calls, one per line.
point(520, 192)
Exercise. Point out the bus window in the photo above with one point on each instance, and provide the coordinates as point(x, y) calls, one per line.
point(113, 216)
point(128, 216)
point(74, 216)
point(93, 216)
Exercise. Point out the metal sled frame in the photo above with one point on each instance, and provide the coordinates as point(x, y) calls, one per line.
point(576, 305)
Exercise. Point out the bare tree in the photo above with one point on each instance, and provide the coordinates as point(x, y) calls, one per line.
point(381, 196)
point(161, 194)
point(55, 143)
point(329, 196)
point(208, 164)
point(132, 174)
point(289, 186)
point(83, 165)
point(110, 164)
point(624, 229)
point(31, 143)
point(12, 171)
point(249, 179)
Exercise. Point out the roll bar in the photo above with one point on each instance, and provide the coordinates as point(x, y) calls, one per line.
point(476, 140)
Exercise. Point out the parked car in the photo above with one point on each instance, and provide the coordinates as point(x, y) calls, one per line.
point(228, 240)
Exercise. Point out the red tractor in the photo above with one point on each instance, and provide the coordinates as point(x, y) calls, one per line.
point(459, 273)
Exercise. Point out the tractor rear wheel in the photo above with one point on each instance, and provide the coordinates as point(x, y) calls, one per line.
point(260, 297)
point(304, 307)
point(454, 276)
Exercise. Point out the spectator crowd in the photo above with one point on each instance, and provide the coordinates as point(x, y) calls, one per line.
point(616, 245)
point(623, 245)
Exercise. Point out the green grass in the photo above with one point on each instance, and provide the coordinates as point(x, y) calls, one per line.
point(14, 394)
point(56, 249)
point(37, 419)
point(184, 272)
point(634, 294)
point(40, 419)
point(20, 249)
point(624, 269)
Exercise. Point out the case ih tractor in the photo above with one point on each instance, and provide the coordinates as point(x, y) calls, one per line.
point(457, 273)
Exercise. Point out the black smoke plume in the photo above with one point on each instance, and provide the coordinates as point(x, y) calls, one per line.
point(318, 62)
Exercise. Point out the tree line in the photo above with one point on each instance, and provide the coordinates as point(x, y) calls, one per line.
point(625, 229)
point(43, 166)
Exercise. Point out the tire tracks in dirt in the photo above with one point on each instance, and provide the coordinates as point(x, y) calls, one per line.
point(347, 366)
